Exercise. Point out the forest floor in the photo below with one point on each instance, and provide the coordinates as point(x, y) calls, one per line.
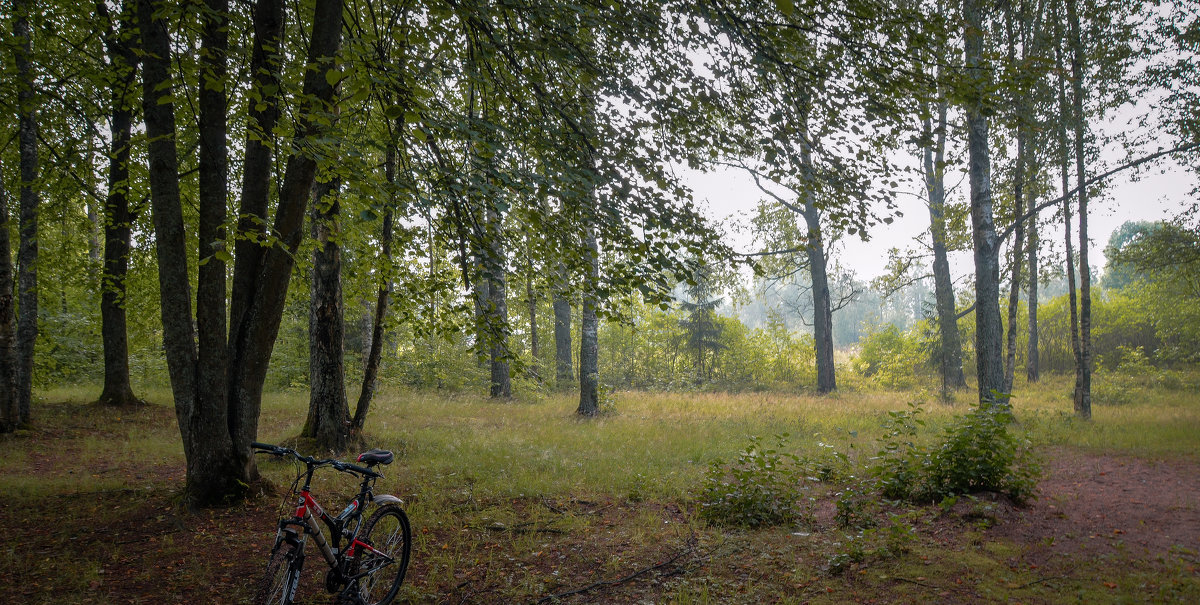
point(87, 522)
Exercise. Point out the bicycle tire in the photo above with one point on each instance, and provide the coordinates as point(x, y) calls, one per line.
point(282, 577)
point(386, 530)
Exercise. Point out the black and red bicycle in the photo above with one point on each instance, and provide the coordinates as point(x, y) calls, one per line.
point(367, 559)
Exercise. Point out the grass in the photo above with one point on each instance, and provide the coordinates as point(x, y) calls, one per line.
point(513, 501)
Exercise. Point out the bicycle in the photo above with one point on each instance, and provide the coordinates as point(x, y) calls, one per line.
point(374, 549)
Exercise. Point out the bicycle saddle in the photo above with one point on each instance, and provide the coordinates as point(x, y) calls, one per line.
point(373, 457)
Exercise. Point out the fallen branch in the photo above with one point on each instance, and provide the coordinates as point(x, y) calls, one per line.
point(1042, 580)
point(916, 582)
point(691, 547)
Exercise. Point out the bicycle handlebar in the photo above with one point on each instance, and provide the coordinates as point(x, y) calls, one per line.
point(266, 448)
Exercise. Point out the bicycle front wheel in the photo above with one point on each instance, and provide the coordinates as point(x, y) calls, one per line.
point(388, 532)
point(278, 585)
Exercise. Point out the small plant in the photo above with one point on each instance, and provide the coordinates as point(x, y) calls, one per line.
point(852, 509)
point(764, 486)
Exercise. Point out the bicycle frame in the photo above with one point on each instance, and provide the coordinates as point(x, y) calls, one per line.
point(308, 510)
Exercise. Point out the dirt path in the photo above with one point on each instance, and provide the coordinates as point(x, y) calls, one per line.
point(1094, 505)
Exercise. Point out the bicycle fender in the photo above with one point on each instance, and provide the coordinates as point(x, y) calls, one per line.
point(382, 499)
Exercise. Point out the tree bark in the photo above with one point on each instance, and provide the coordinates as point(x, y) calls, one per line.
point(212, 473)
point(27, 252)
point(988, 330)
point(328, 414)
point(118, 221)
point(1014, 291)
point(589, 372)
point(375, 353)
point(253, 340)
point(563, 367)
point(262, 117)
point(1032, 355)
point(950, 356)
point(1083, 394)
point(498, 351)
point(531, 300)
point(10, 416)
point(1065, 171)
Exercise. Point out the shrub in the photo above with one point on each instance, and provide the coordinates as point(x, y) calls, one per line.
point(764, 486)
point(978, 453)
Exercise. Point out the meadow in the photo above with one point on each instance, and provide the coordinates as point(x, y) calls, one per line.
point(524, 502)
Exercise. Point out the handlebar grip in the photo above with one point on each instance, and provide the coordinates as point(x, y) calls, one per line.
point(263, 446)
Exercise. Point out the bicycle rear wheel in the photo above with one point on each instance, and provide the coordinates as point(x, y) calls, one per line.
point(278, 584)
point(388, 532)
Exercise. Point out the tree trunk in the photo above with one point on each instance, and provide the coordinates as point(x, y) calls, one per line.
point(118, 221)
point(262, 117)
point(589, 372)
point(254, 339)
point(1032, 361)
point(375, 353)
point(1065, 171)
point(218, 426)
point(1083, 394)
point(950, 356)
point(1014, 291)
point(563, 371)
point(9, 414)
point(328, 415)
point(497, 275)
point(531, 300)
point(27, 252)
point(212, 472)
point(988, 329)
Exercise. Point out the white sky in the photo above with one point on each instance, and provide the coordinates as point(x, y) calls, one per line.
point(1161, 192)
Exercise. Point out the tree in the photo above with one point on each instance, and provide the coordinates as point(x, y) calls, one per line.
point(988, 328)
point(27, 252)
point(328, 420)
point(217, 386)
point(118, 220)
point(10, 416)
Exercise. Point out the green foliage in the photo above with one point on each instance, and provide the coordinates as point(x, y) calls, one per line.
point(68, 348)
point(893, 358)
point(764, 486)
point(977, 453)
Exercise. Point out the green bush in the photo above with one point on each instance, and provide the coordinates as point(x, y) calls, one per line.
point(764, 486)
point(977, 453)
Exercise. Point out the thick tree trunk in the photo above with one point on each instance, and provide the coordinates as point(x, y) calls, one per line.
point(215, 449)
point(212, 472)
point(950, 356)
point(263, 116)
point(254, 339)
point(563, 368)
point(498, 351)
point(822, 306)
point(1083, 393)
point(589, 351)
point(988, 329)
point(375, 352)
point(27, 252)
point(10, 416)
point(328, 414)
point(118, 221)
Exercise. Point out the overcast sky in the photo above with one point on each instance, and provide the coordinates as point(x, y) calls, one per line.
point(1161, 192)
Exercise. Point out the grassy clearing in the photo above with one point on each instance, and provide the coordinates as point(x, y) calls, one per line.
point(514, 501)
